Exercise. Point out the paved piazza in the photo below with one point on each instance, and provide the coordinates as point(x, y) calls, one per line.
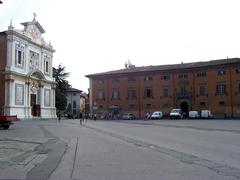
point(119, 150)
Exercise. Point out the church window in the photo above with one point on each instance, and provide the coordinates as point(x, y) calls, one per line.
point(34, 60)
point(47, 65)
point(46, 97)
point(19, 94)
point(19, 55)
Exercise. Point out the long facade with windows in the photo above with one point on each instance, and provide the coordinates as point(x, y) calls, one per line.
point(27, 88)
point(211, 85)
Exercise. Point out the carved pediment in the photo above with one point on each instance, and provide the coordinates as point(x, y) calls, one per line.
point(37, 74)
point(33, 29)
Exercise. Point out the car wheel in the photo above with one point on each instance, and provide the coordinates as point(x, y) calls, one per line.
point(5, 126)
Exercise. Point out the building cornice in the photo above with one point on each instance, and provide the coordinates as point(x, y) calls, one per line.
point(11, 75)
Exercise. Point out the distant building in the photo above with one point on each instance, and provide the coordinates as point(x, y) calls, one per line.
point(73, 102)
point(212, 85)
point(83, 102)
point(27, 88)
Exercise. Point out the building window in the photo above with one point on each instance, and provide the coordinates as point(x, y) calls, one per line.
point(165, 104)
point(221, 103)
point(165, 92)
point(74, 104)
point(202, 90)
point(34, 60)
point(239, 87)
point(165, 77)
point(131, 106)
point(183, 90)
point(201, 74)
point(148, 93)
point(132, 94)
point(131, 79)
point(100, 94)
point(19, 94)
point(182, 76)
point(148, 78)
point(115, 80)
point(19, 55)
point(115, 94)
point(148, 106)
point(221, 89)
point(100, 82)
point(46, 97)
point(221, 72)
point(47, 64)
point(238, 70)
point(74, 111)
point(203, 104)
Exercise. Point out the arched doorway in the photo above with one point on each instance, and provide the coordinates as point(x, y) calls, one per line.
point(185, 108)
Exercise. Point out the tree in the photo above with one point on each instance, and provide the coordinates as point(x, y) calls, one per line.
point(61, 76)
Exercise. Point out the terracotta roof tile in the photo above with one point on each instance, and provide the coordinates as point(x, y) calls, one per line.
point(170, 67)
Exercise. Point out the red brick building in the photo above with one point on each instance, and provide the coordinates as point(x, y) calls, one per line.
point(212, 85)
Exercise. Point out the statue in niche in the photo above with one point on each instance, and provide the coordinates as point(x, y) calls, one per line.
point(34, 87)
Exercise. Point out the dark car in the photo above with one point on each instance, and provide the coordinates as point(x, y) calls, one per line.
point(128, 116)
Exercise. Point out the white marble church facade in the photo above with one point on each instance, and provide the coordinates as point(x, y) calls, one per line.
point(26, 73)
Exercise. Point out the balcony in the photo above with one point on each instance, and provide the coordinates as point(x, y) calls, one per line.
point(186, 95)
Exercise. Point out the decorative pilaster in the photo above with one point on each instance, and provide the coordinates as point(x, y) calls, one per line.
point(41, 95)
point(11, 93)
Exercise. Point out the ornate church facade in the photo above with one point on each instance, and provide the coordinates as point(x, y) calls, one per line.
point(27, 88)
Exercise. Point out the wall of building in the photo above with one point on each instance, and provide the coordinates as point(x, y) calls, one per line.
point(183, 88)
point(24, 72)
point(3, 48)
point(71, 98)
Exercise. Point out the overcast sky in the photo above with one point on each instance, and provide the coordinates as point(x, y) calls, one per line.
point(92, 36)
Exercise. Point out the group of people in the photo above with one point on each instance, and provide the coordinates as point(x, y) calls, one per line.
point(81, 117)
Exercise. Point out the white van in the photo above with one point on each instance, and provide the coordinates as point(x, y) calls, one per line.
point(157, 115)
point(176, 113)
point(193, 115)
point(206, 114)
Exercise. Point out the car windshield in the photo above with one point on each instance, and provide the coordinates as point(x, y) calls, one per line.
point(175, 110)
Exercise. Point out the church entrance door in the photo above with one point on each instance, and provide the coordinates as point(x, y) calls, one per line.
point(35, 107)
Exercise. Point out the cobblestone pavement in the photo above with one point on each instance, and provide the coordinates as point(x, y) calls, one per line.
point(26, 149)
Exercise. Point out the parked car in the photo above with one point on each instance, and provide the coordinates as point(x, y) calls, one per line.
point(176, 113)
point(157, 115)
point(193, 114)
point(128, 116)
point(206, 114)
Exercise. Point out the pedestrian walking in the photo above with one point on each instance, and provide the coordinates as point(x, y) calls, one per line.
point(59, 116)
point(80, 118)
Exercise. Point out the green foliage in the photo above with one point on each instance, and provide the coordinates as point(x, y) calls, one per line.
point(60, 76)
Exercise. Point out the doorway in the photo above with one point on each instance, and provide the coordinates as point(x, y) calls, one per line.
point(184, 108)
point(34, 106)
